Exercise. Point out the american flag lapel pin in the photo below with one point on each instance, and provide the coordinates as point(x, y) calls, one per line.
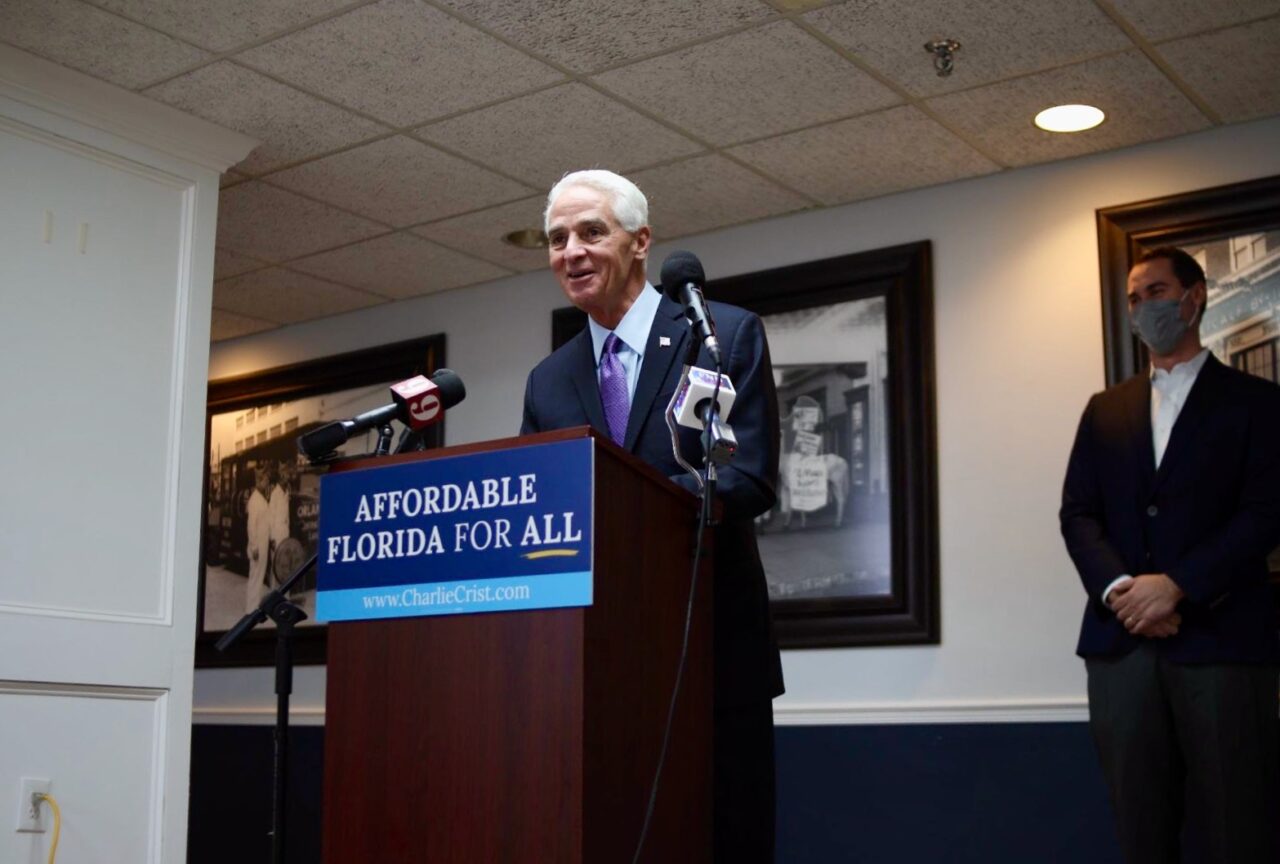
point(664, 341)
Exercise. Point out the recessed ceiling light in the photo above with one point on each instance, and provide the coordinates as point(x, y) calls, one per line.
point(1069, 118)
point(526, 238)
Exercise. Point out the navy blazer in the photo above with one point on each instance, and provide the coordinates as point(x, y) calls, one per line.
point(1208, 516)
point(562, 391)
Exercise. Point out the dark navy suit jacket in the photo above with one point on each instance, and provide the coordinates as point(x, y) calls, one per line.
point(562, 391)
point(1208, 516)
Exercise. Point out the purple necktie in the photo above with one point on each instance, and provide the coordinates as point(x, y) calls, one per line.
point(613, 388)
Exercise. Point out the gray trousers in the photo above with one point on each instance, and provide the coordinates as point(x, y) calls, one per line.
point(1172, 736)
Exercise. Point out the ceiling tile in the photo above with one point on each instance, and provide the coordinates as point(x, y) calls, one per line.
point(1236, 90)
point(401, 61)
point(286, 297)
point(709, 192)
point(228, 325)
point(587, 35)
point(1166, 19)
point(291, 125)
point(998, 38)
point(750, 85)
point(99, 43)
point(270, 223)
point(874, 154)
point(799, 5)
point(400, 181)
point(540, 137)
point(227, 263)
point(480, 234)
point(399, 265)
point(220, 25)
point(1140, 103)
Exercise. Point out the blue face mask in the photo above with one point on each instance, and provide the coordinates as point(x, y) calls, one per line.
point(1159, 323)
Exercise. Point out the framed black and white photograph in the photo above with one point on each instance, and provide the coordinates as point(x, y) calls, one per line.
point(829, 534)
point(850, 547)
point(262, 496)
point(1234, 232)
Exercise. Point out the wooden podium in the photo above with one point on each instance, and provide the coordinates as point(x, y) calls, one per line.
point(533, 736)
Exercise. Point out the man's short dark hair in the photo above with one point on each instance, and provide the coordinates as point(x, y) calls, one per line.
point(1186, 268)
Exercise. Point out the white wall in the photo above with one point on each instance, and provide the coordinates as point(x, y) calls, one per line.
point(1019, 350)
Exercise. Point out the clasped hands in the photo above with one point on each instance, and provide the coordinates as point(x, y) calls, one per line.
point(1147, 605)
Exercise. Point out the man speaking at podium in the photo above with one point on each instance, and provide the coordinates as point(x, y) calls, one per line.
point(618, 375)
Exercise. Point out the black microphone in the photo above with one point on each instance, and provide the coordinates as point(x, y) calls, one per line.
point(446, 385)
point(682, 281)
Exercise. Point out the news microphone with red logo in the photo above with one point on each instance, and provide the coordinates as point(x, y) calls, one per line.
point(419, 403)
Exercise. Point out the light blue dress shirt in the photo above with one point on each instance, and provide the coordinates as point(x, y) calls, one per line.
point(633, 330)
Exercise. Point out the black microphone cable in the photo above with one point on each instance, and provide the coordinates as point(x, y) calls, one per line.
point(705, 516)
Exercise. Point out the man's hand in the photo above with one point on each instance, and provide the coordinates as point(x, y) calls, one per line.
point(1161, 629)
point(1146, 605)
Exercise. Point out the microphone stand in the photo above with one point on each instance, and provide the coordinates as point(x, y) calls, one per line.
point(279, 608)
point(716, 449)
point(709, 416)
point(385, 432)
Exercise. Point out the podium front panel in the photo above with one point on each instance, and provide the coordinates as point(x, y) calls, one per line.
point(533, 736)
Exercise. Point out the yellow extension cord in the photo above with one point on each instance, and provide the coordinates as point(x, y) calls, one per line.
point(57, 824)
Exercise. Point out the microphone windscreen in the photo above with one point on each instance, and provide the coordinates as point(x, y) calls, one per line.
point(322, 441)
point(679, 270)
point(452, 390)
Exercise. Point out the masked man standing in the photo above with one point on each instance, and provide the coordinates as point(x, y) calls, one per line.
point(1170, 506)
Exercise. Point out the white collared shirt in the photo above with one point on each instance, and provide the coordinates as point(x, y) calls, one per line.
point(1169, 391)
point(633, 331)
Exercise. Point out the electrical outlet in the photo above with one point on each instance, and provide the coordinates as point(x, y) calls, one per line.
point(31, 809)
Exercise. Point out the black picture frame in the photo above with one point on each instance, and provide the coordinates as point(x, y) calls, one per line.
point(282, 384)
point(1127, 230)
point(902, 275)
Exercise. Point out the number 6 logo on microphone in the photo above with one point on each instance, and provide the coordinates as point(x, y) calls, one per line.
point(424, 410)
point(419, 399)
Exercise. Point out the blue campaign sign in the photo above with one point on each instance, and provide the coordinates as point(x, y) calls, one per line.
point(485, 532)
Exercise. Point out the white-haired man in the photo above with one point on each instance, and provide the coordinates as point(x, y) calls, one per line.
point(617, 376)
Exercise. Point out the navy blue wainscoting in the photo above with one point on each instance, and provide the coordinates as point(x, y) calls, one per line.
point(230, 816)
point(1021, 793)
point(1006, 793)
point(1017, 793)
